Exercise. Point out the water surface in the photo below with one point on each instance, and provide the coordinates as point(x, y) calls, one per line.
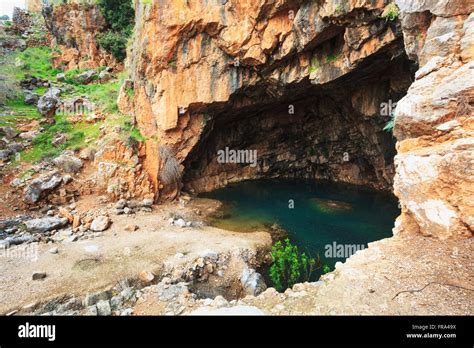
point(324, 213)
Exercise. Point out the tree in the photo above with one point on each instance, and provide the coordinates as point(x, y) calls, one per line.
point(120, 17)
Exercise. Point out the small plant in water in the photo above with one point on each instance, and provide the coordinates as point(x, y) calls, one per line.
point(326, 269)
point(290, 266)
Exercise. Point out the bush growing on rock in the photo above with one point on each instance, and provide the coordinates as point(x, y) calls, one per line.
point(120, 16)
point(290, 266)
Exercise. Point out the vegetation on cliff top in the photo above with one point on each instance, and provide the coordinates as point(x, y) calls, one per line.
point(120, 17)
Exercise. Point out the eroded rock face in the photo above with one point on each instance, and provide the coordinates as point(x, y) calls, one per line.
point(435, 124)
point(119, 171)
point(207, 74)
point(301, 83)
point(75, 27)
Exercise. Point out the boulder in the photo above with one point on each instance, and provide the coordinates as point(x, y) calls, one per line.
point(45, 224)
point(103, 308)
point(47, 105)
point(5, 155)
point(53, 92)
point(31, 98)
point(29, 135)
point(87, 154)
point(61, 77)
point(63, 212)
point(38, 275)
point(167, 292)
point(41, 186)
point(54, 250)
point(131, 228)
point(146, 277)
point(67, 179)
point(15, 147)
point(59, 138)
point(68, 163)
point(180, 223)
point(93, 298)
point(100, 223)
point(8, 132)
point(147, 202)
point(105, 76)
point(116, 302)
point(86, 77)
point(32, 82)
point(252, 282)
point(76, 222)
point(121, 204)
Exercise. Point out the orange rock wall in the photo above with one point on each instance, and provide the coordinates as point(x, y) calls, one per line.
point(191, 59)
point(74, 28)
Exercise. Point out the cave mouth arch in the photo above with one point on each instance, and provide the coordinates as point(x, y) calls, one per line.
point(332, 132)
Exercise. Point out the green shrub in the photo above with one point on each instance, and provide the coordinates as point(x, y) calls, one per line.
point(113, 42)
point(331, 58)
point(290, 266)
point(135, 134)
point(390, 12)
point(120, 17)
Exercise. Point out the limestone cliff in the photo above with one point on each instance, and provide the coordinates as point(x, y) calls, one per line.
point(434, 122)
point(300, 82)
point(74, 27)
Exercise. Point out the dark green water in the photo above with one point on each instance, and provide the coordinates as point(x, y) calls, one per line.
point(324, 213)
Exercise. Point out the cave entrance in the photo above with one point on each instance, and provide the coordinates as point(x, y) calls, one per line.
point(332, 132)
point(314, 162)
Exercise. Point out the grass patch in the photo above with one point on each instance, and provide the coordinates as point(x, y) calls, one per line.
point(105, 95)
point(136, 135)
point(22, 110)
point(37, 62)
point(78, 136)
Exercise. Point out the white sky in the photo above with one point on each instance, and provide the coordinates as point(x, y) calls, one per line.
point(6, 6)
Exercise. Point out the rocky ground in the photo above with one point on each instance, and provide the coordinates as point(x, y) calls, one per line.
point(138, 249)
point(404, 275)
